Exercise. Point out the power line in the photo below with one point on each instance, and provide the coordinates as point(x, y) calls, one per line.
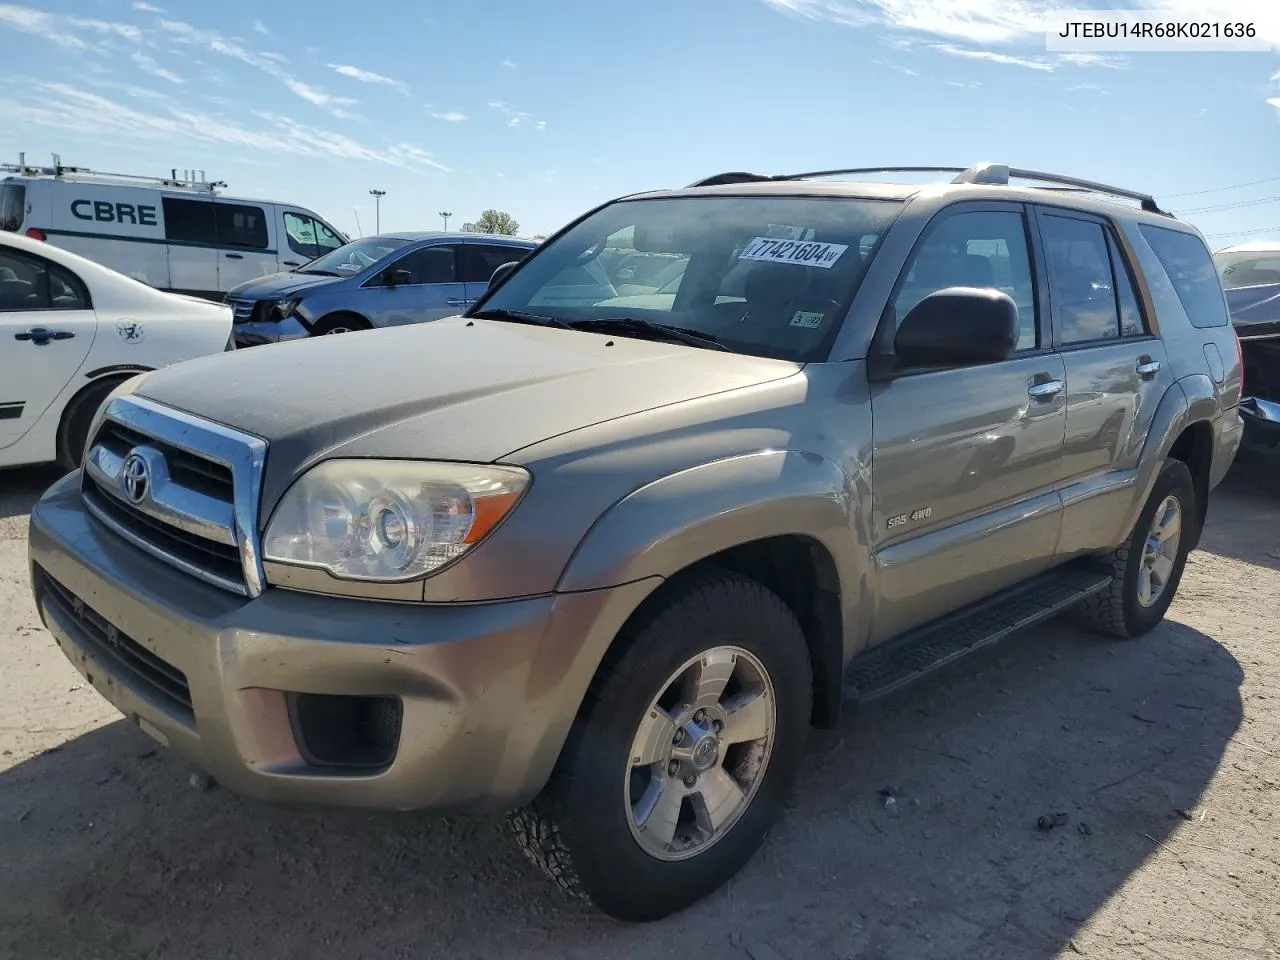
point(1234, 186)
point(1244, 233)
point(1229, 206)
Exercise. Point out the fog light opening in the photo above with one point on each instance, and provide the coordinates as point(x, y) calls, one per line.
point(351, 732)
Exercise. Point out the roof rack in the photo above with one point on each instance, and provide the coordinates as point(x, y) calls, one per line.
point(190, 179)
point(987, 174)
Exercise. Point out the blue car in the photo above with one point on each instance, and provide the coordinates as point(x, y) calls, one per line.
point(379, 281)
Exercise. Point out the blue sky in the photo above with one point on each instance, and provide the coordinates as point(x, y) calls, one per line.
point(543, 108)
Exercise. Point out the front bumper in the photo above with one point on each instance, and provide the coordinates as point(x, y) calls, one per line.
point(257, 332)
point(487, 691)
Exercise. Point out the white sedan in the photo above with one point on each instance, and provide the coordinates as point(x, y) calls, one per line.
point(71, 331)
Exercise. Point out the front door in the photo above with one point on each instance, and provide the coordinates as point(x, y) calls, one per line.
point(303, 238)
point(1117, 371)
point(479, 260)
point(422, 285)
point(47, 327)
point(966, 461)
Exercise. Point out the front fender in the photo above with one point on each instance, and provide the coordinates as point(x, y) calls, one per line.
point(677, 520)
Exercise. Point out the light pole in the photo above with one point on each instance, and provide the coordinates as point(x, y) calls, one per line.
point(377, 208)
point(445, 214)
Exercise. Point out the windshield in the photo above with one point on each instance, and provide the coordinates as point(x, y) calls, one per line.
point(1248, 268)
point(769, 276)
point(13, 206)
point(354, 256)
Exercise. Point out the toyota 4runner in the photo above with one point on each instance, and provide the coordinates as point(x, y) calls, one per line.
point(604, 561)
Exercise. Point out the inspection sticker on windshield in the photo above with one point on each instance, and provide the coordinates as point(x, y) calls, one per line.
point(805, 253)
point(806, 318)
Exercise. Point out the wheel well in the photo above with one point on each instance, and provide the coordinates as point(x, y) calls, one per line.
point(105, 384)
point(803, 574)
point(333, 314)
point(1194, 447)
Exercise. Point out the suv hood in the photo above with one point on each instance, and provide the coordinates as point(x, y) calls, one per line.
point(278, 285)
point(455, 389)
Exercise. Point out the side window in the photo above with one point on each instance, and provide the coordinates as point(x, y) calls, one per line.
point(326, 239)
point(1080, 281)
point(241, 226)
point(31, 283)
point(1190, 269)
point(479, 260)
point(429, 265)
point(189, 221)
point(300, 234)
point(982, 248)
point(24, 283)
point(1131, 322)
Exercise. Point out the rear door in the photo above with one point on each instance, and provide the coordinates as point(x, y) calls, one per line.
point(479, 260)
point(1116, 370)
point(47, 327)
point(244, 243)
point(428, 287)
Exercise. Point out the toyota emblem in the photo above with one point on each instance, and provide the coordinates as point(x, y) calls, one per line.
point(135, 477)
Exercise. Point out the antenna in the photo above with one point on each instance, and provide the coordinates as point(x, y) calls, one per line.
point(359, 228)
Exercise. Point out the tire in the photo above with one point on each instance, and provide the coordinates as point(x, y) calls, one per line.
point(582, 830)
point(1120, 610)
point(73, 431)
point(339, 323)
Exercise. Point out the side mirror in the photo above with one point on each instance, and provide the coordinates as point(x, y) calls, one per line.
point(958, 326)
point(502, 273)
point(399, 276)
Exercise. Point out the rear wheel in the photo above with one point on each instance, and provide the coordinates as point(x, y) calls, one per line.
point(683, 754)
point(1147, 569)
point(339, 323)
point(73, 431)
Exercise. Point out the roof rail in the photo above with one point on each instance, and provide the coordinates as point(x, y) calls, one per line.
point(190, 179)
point(992, 174)
point(1000, 174)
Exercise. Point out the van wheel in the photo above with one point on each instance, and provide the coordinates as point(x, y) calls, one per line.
point(1147, 568)
point(682, 756)
point(339, 323)
point(73, 431)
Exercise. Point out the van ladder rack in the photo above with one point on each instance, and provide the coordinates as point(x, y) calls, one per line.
point(188, 181)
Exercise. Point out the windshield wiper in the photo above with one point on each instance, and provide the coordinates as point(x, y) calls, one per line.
point(519, 316)
point(693, 338)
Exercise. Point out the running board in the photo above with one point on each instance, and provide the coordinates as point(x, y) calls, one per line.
point(900, 661)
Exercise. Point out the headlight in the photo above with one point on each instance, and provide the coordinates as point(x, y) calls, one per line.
point(285, 308)
point(389, 520)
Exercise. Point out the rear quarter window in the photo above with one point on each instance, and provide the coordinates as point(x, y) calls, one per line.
point(1189, 267)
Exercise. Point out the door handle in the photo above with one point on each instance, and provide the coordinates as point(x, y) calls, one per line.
point(1147, 368)
point(40, 336)
point(1046, 390)
point(234, 256)
point(287, 263)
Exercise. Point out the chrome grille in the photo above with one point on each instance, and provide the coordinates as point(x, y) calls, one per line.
point(182, 488)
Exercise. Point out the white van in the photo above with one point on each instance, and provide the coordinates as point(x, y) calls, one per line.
point(175, 234)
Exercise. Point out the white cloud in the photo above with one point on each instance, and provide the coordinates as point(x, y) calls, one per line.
point(542, 124)
point(39, 24)
point(62, 106)
point(515, 118)
point(148, 65)
point(260, 27)
point(126, 30)
point(367, 76)
point(1029, 62)
point(312, 95)
point(509, 64)
point(147, 7)
point(450, 116)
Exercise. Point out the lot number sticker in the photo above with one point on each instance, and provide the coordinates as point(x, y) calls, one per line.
point(805, 253)
point(805, 318)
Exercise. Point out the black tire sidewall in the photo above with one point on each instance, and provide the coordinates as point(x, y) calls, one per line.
point(77, 419)
point(615, 871)
point(1174, 479)
point(352, 322)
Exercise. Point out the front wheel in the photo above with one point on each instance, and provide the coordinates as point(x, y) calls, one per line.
point(1147, 568)
point(338, 323)
point(683, 755)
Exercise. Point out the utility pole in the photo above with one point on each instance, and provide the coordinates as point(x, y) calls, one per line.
point(377, 208)
point(445, 214)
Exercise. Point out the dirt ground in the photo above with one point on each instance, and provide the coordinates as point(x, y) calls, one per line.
point(1163, 754)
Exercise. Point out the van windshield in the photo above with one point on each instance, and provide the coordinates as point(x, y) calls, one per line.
point(13, 206)
point(353, 257)
point(770, 276)
point(1254, 268)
